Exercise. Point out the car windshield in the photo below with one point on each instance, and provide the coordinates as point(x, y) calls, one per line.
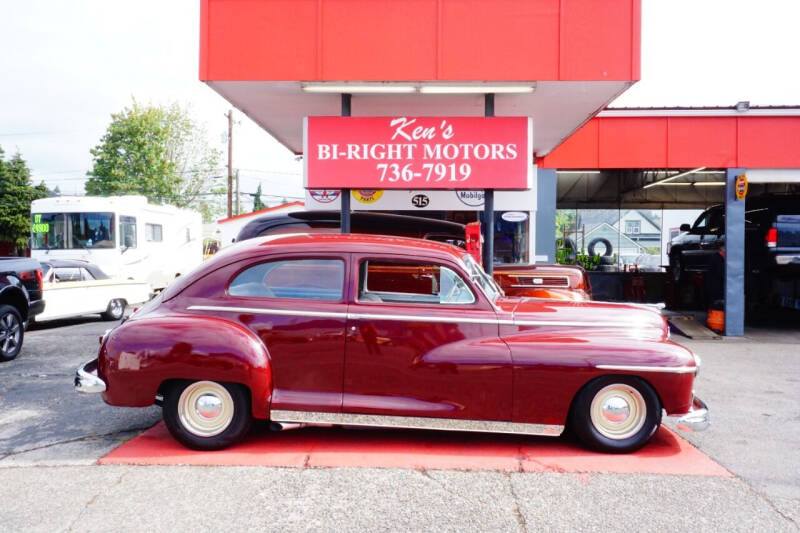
point(481, 278)
point(72, 230)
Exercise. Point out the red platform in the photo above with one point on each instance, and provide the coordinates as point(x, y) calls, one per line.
point(331, 447)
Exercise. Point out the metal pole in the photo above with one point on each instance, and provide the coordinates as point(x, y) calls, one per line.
point(238, 205)
point(345, 197)
point(488, 206)
point(229, 114)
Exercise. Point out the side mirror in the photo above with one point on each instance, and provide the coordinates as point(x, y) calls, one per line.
point(685, 227)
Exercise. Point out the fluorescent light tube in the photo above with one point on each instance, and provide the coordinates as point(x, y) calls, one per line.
point(360, 88)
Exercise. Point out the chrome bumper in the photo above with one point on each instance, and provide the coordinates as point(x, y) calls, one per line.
point(696, 419)
point(86, 379)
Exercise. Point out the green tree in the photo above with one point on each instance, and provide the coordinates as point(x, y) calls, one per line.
point(257, 203)
point(16, 194)
point(159, 152)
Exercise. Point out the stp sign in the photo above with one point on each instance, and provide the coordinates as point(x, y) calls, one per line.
point(418, 153)
point(740, 186)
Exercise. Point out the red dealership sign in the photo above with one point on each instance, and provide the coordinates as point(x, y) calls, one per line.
point(418, 153)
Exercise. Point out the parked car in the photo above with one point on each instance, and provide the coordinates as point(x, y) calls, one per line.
point(75, 288)
point(772, 237)
point(541, 281)
point(647, 263)
point(772, 251)
point(20, 300)
point(386, 331)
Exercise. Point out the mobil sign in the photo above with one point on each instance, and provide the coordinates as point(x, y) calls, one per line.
point(418, 153)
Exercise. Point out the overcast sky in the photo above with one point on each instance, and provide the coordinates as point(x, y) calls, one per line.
point(66, 66)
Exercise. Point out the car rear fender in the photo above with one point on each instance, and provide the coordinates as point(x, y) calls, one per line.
point(15, 297)
point(138, 356)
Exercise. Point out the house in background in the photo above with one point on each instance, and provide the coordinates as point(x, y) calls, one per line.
point(640, 226)
point(626, 249)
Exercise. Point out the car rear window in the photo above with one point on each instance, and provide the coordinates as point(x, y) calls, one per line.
point(304, 279)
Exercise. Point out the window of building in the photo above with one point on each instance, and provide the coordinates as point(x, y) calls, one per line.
point(153, 233)
point(386, 281)
point(127, 232)
point(304, 279)
point(633, 226)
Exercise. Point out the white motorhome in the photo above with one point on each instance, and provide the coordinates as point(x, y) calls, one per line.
point(127, 237)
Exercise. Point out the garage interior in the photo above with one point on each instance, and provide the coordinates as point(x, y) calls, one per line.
point(638, 212)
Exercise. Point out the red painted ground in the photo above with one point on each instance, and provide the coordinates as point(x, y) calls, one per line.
point(329, 447)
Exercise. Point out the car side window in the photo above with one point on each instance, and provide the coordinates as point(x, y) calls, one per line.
point(67, 274)
point(303, 279)
point(398, 282)
point(701, 224)
point(86, 275)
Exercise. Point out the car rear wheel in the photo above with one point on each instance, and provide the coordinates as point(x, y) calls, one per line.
point(115, 309)
point(207, 415)
point(616, 414)
point(11, 332)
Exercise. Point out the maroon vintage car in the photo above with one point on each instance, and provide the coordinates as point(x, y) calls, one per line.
point(388, 331)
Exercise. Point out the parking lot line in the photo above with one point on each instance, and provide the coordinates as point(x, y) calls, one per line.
point(340, 447)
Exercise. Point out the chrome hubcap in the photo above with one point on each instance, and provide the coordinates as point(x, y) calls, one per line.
point(208, 406)
point(116, 307)
point(618, 411)
point(10, 333)
point(205, 408)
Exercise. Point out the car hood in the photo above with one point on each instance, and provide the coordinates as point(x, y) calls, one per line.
point(624, 319)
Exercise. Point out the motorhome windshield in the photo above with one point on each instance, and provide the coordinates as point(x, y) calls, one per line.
point(59, 231)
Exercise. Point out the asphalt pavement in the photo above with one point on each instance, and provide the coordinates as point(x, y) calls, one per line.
point(51, 438)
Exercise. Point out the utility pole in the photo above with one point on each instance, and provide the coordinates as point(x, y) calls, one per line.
point(229, 114)
point(238, 209)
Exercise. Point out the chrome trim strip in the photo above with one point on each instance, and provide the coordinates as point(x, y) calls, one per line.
point(634, 368)
point(570, 323)
point(265, 311)
point(409, 318)
point(426, 318)
point(541, 278)
point(413, 422)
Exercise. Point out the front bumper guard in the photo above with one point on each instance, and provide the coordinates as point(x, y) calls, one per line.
point(86, 379)
point(696, 419)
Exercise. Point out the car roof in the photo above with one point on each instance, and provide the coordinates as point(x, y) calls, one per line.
point(360, 221)
point(355, 242)
point(76, 263)
point(291, 243)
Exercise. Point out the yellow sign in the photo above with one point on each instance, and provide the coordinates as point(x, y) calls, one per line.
point(367, 196)
point(741, 186)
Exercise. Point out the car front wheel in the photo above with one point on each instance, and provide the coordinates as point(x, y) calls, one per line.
point(11, 332)
point(207, 415)
point(616, 414)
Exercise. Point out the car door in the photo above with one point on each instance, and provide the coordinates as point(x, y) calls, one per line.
point(65, 294)
point(712, 239)
point(296, 305)
point(422, 341)
point(691, 247)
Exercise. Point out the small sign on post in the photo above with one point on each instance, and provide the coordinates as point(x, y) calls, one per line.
point(418, 153)
point(740, 186)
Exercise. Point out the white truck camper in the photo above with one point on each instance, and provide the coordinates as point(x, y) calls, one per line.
point(125, 236)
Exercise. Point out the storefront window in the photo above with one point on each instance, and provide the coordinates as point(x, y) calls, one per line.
point(72, 230)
